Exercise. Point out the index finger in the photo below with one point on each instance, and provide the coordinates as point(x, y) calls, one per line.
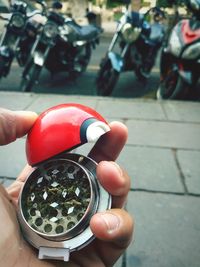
point(109, 146)
point(14, 124)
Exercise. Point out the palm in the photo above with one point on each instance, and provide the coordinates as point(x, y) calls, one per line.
point(27, 256)
point(103, 251)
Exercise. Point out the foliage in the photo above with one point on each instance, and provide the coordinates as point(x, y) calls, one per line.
point(169, 3)
point(117, 15)
point(112, 4)
point(92, 1)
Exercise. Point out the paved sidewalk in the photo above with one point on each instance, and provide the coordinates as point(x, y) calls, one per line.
point(162, 156)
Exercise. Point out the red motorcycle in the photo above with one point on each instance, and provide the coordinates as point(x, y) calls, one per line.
point(180, 59)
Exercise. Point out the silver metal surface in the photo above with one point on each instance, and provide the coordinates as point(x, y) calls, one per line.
point(58, 200)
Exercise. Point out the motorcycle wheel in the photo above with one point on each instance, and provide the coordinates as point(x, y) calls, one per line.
point(4, 68)
point(1, 67)
point(30, 78)
point(84, 58)
point(141, 75)
point(106, 78)
point(172, 86)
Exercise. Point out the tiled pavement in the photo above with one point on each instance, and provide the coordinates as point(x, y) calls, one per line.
point(162, 156)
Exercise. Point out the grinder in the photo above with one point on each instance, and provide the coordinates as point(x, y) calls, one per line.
point(62, 192)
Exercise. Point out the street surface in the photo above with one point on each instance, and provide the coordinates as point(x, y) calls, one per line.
point(127, 86)
point(162, 157)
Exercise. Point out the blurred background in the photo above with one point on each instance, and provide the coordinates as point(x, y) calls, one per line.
point(107, 14)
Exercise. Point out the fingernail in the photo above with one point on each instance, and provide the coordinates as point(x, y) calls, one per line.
point(111, 221)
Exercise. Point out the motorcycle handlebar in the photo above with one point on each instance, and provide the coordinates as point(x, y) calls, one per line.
point(155, 10)
point(33, 13)
point(4, 18)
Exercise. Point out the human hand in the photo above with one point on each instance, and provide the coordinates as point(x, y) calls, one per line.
point(113, 228)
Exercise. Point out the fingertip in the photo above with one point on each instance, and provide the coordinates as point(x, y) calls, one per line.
point(119, 128)
point(114, 225)
point(115, 180)
point(24, 122)
point(119, 124)
point(109, 146)
point(26, 114)
point(105, 224)
point(15, 124)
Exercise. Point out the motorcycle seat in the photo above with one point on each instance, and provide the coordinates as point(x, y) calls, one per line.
point(86, 33)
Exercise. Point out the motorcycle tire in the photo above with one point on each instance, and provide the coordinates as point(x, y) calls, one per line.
point(142, 77)
point(173, 87)
point(30, 78)
point(1, 68)
point(4, 70)
point(84, 58)
point(106, 78)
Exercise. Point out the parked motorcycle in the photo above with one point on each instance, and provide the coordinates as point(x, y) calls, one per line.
point(34, 25)
point(19, 35)
point(134, 46)
point(61, 45)
point(180, 59)
point(11, 36)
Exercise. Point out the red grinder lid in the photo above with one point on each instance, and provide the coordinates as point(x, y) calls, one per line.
point(62, 128)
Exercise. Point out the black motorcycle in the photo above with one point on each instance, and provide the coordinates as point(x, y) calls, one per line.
point(19, 34)
point(11, 35)
point(61, 45)
point(73, 49)
point(34, 25)
point(134, 46)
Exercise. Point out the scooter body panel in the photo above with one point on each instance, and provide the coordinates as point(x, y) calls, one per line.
point(184, 45)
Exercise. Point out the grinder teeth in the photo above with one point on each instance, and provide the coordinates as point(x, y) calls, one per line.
point(57, 198)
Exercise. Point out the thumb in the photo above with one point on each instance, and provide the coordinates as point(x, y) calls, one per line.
point(15, 124)
point(114, 225)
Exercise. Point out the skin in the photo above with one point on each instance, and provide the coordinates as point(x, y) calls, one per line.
point(113, 228)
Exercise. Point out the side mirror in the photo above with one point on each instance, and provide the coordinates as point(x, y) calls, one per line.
point(39, 1)
point(43, 4)
point(57, 5)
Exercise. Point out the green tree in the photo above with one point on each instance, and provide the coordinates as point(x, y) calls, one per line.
point(169, 3)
